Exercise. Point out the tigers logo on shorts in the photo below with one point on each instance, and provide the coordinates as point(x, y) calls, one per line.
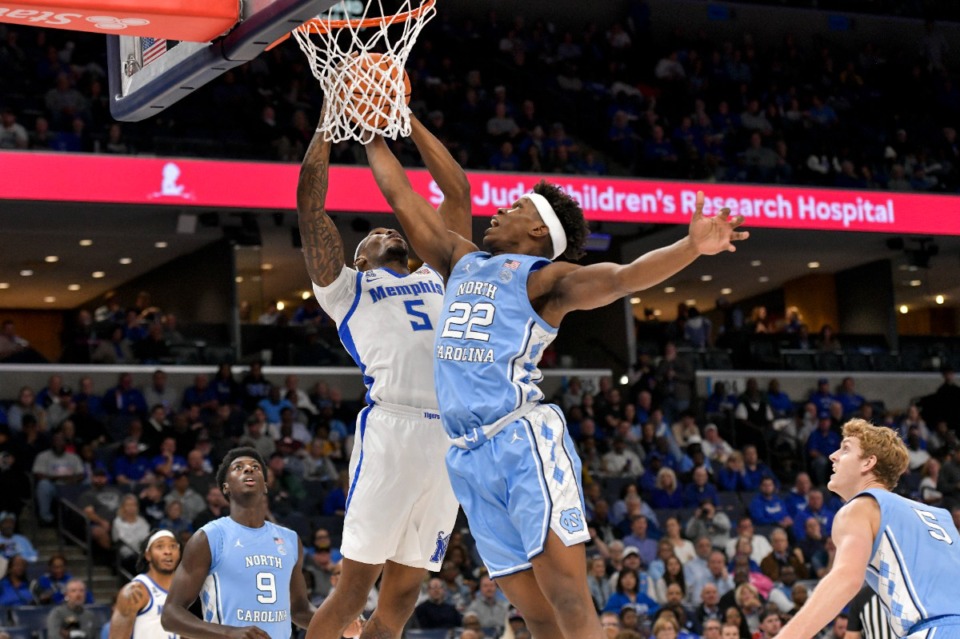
point(572, 520)
point(442, 543)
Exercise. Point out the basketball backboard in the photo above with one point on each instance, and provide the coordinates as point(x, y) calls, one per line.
point(147, 75)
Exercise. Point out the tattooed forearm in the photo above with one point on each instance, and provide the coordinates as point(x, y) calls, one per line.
point(322, 245)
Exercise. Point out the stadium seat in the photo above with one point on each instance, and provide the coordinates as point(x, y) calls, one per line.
point(18, 632)
point(33, 618)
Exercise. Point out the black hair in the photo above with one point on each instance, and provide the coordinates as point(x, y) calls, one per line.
point(244, 451)
point(570, 215)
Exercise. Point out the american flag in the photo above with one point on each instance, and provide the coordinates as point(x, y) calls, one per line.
point(152, 48)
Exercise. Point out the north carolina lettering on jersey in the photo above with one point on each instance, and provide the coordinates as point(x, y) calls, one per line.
point(380, 292)
point(255, 561)
point(485, 289)
point(261, 616)
point(468, 354)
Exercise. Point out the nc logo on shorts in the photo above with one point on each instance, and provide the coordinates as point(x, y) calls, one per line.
point(572, 520)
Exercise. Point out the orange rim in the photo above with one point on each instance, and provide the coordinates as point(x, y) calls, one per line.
point(320, 26)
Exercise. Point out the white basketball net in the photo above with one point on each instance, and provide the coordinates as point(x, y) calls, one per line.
point(364, 100)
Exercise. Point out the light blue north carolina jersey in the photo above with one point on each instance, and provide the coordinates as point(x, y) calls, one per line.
point(489, 341)
point(386, 322)
point(915, 564)
point(250, 572)
point(147, 624)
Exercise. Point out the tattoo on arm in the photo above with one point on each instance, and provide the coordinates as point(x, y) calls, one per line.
point(322, 244)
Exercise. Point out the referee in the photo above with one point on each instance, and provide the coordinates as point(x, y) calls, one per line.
point(867, 619)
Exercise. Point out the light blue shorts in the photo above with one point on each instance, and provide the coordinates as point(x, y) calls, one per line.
point(518, 486)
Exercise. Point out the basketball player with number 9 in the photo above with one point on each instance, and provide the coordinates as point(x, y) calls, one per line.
point(909, 552)
point(246, 570)
point(400, 507)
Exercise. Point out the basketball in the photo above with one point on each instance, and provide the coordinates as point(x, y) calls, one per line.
point(370, 93)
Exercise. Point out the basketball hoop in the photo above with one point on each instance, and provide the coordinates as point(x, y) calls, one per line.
point(365, 99)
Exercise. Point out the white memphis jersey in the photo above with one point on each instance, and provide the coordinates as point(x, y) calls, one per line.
point(386, 321)
point(147, 624)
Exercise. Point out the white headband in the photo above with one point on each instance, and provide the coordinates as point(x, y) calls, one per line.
point(160, 534)
point(549, 217)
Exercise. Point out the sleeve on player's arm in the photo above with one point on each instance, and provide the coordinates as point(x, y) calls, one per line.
point(337, 298)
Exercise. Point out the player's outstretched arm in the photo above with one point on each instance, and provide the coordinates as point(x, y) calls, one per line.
point(449, 176)
point(854, 530)
point(427, 233)
point(131, 600)
point(322, 244)
point(301, 610)
point(571, 288)
point(187, 582)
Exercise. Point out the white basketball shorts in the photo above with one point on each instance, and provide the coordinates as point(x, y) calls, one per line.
point(400, 506)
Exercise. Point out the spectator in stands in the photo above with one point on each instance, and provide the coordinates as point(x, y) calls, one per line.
point(714, 447)
point(753, 414)
point(124, 399)
point(435, 612)
point(167, 463)
point(610, 624)
point(129, 530)
point(489, 609)
point(117, 350)
point(12, 134)
point(770, 623)
point(675, 379)
point(949, 481)
point(131, 467)
point(708, 522)
point(51, 586)
point(191, 503)
point(628, 591)
point(256, 434)
point(827, 341)
point(254, 386)
point(754, 469)
point(61, 409)
point(322, 568)
point(708, 614)
point(797, 498)
point(175, 522)
point(813, 546)
point(849, 399)
point(916, 449)
point(768, 508)
point(761, 546)
point(779, 402)
point(667, 493)
point(639, 538)
point(698, 329)
point(927, 491)
point(26, 404)
point(621, 461)
point(225, 387)
point(217, 507)
point(699, 490)
point(782, 556)
point(72, 614)
point(716, 574)
point(822, 397)
point(14, 586)
point(682, 548)
point(733, 476)
point(672, 576)
point(100, 504)
point(820, 445)
point(782, 593)
point(913, 419)
point(52, 468)
point(13, 544)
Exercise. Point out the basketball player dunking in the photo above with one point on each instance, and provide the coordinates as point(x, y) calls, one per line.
point(245, 569)
point(512, 465)
point(400, 506)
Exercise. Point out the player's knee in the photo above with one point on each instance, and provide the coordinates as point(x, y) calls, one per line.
point(567, 604)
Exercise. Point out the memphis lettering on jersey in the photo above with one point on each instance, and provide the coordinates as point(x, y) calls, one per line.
point(381, 292)
point(245, 615)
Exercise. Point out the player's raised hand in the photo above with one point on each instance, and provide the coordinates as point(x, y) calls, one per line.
point(712, 235)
